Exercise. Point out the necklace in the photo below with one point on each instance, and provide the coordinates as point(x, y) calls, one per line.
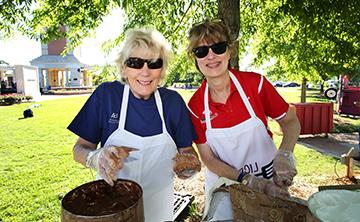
point(220, 96)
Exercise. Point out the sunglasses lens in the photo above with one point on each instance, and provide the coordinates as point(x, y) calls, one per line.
point(201, 51)
point(156, 64)
point(219, 48)
point(137, 63)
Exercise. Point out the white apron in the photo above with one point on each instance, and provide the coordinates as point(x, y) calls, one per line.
point(246, 146)
point(151, 166)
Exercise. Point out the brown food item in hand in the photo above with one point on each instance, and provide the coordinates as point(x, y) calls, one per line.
point(185, 163)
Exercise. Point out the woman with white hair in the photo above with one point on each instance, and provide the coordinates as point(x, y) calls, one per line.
point(140, 126)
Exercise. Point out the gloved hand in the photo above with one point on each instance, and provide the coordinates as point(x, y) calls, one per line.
point(186, 165)
point(265, 186)
point(107, 161)
point(284, 169)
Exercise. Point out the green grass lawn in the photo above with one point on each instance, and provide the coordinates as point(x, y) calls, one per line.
point(36, 164)
point(37, 168)
point(314, 167)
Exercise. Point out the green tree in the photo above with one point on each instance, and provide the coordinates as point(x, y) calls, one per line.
point(312, 40)
point(104, 73)
point(41, 19)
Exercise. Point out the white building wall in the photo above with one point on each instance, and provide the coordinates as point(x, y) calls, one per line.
point(27, 80)
point(75, 76)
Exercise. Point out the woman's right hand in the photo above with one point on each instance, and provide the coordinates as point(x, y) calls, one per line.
point(107, 161)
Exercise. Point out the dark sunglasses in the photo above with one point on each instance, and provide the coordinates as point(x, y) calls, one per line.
point(137, 63)
point(217, 48)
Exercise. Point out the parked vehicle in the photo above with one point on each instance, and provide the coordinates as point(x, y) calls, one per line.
point(332, 87)
point(291, 84)
point(310, 86)
point(331, 93)
point(278, 83)
point(348, 97)
point(332, 83)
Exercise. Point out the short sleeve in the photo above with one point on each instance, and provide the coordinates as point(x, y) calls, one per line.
point(196, 108)
point(274, 104)
point(201, 137)
point(87, 123)
point(180, 123)
point(177, 118)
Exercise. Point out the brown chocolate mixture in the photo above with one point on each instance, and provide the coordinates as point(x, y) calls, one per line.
point(99, 199)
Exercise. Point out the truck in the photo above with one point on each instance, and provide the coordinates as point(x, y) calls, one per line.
point(348, 97)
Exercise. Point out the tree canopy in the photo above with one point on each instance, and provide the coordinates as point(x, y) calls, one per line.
point(311, 39)
point(42, 19)
point(307, 39)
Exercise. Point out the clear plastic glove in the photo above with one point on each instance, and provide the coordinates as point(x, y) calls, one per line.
point(107, 161)
point(186, 165)
point(265, 186)
point(284, 169)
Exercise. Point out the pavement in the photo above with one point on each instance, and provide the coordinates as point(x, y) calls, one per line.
point(51, 97)
point(334, 144)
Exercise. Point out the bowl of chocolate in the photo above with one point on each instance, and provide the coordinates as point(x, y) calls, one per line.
point(98, 201)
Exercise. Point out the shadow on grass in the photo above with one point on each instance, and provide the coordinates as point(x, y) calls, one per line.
point(341, 126)
point(316, 96)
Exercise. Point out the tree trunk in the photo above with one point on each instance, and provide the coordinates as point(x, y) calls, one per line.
point(303, 90)
point(322, 88)
point(229, 12)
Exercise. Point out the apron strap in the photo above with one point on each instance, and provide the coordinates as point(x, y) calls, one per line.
point(206, 107)
point(124, 104)
point(160, 109)
point(242, 95)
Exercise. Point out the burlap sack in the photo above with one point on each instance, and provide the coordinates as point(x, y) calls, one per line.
point(251, 206)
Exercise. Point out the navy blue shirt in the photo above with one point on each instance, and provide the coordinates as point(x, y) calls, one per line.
point(99, 117)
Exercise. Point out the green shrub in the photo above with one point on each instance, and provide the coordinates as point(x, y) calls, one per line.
point(28, 98)
point(10, 99)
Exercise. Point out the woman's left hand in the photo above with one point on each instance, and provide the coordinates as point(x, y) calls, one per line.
point(186, 165)
point(265, 186)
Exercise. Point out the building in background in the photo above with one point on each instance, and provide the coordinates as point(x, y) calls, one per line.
point(20, 79)
point(27, 80)
point(7, 78)
point(50, 71)
point(60, 72)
